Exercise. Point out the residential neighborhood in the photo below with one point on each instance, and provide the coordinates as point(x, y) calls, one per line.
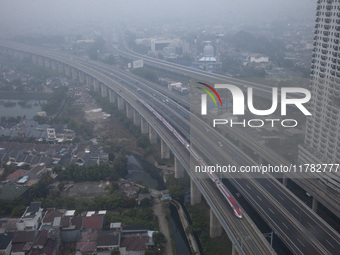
point(45, 231)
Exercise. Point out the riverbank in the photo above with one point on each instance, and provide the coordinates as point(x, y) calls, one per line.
point(192, 241)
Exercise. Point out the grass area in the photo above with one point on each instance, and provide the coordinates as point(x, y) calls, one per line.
point(131, 216)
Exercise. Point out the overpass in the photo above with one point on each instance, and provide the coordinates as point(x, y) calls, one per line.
point(316, 188)
point(252, 190)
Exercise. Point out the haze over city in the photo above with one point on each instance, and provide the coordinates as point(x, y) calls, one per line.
point(158, 127)
point(36, 16)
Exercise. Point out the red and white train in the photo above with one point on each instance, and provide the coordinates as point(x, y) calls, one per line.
point(218, 184)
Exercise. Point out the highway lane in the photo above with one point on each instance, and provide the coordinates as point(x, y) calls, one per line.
point(328, 237)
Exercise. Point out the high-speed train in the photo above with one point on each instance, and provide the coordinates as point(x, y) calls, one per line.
point(217, 183)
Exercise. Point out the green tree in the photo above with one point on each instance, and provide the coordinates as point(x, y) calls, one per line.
point(18, 211)
point(120, 164)
point(115, 251)
point(150, 252)
point(145, 203)
point(143, 141)
point(159, 240)
point(8, 169)
point(57, 169)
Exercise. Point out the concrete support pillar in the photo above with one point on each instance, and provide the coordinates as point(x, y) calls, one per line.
point(152, 135)
point(35, 59)
point(144, 126)
point(41, 61)
point(74, 74)
point(103, 90)
point(88, 80)
point(95, 85)
point(112, 96)
point(165, 150)
point(215, 225)
point(195, 194)
point(67, 71)
point(60, 68)
point(129, 111)
point(54, 65)
point(233, 250)
point(120, 103)
point(179, 169)
point(314, 204)
point(47, 63)
point(22, 56)
point(136, 118)
point(81, 77)
point(284, 180)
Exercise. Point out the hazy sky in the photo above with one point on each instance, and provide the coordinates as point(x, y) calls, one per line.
point(26, 14)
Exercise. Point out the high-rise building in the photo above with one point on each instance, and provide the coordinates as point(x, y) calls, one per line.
point(322, 139)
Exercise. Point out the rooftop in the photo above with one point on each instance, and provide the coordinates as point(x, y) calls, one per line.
point(5, 239)
point(23, 236)
point(108, 238)
point(86, 246)
point(94, 221)
point(34, 207)
point(9, 191)
point(51, 214)
point(138, 243)
point(16, 175)
point(135, 227)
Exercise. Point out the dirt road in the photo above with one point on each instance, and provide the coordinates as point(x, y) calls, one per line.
point(163, 225)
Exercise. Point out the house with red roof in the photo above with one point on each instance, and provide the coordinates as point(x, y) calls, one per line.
point(94, 221)
point(15, 176)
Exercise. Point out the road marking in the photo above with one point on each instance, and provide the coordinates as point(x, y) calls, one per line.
point(300, 242)
point(295, 210)
point(329, 243)
point(268, 186)
point(259, 198)
point(248, 186)
point(285, 225)
point(310, 224)
point(271, 210)
point(281, 197)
